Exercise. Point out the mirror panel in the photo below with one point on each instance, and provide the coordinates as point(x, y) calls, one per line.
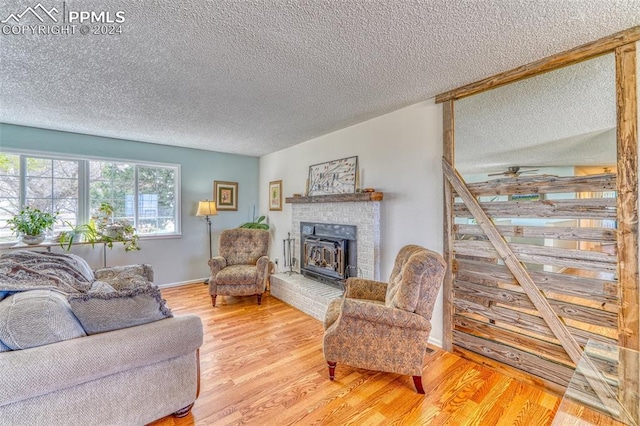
point(562, 119)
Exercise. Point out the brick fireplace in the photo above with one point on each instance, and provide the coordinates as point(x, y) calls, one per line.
point(361, 211)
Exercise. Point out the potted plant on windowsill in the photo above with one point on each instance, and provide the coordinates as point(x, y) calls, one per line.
point(102, 228)
point(31, 224)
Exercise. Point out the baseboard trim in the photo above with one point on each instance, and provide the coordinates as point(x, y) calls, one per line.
point(435, 342)
point(181, 283)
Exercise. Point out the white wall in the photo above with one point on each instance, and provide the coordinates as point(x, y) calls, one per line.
point(400, 154)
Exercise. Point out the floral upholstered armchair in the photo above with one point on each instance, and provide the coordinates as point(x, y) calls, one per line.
point(243, 267)
point(385, 326)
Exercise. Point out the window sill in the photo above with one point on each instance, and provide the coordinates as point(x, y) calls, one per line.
point(47, 243)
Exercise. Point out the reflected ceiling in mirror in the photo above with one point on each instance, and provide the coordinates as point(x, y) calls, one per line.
point(566, 117)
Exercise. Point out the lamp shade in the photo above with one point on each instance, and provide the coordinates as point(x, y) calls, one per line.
point(206, 208)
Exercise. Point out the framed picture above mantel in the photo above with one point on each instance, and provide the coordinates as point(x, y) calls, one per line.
point(333, 177)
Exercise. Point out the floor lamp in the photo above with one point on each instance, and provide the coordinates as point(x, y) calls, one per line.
point(207, 208)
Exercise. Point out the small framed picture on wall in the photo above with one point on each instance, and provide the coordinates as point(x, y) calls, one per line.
point(275, 195)
point(226, 195)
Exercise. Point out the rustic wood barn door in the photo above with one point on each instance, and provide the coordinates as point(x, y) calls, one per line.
point(509, 303)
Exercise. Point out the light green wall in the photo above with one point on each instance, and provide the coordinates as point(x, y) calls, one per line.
point(174, 260)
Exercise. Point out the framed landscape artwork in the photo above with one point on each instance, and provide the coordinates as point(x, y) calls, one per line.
point(275, 195)
point(226, 195)
point(333, 177)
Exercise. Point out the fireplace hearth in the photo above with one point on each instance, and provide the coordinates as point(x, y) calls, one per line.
point(328, 252)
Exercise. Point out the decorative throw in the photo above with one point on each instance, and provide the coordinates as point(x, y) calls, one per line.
point(29, 270)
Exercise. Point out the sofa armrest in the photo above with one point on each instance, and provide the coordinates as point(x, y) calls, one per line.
point(360, 288)
point(128, 276)
point(381, 314)
point(37, 371)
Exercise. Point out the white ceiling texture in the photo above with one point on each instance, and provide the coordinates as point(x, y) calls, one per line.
point(256, 76)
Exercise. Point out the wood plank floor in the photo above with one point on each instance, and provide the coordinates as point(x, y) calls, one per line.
point(263, 365)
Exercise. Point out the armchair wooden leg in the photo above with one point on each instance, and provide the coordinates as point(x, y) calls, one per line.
point(259, 299)
point(417, 381)
point(213, 300)
point(332, 370)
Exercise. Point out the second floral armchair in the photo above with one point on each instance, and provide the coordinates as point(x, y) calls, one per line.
point(242, 267)
point(386, 326)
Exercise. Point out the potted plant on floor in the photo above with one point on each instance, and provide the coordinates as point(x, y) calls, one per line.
point(257, 224)
point(31, 224)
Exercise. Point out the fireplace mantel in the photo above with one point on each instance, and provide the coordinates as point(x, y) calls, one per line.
point(337, 198)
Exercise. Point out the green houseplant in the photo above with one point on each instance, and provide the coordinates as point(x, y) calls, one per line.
point(102, 228)
point(257, 224)
point(31, 223)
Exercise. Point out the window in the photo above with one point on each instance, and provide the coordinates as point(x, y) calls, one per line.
point(147, 195)
point(9, 192)
point(53, 186)
point(112, 183)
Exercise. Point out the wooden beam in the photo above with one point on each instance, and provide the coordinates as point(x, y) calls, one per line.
point(448, 127)
point(515, 357)
point(566, 339)
point(507, 370)
point(628, 194)
point(515, 299)
point(544, 184)
point(550, 232)
point(337, 198)
point(593, 289)
point(627, 143)
point(581, 208)
point(532, 323)
point(550, 63)
point(544, 255)
point(488, 330)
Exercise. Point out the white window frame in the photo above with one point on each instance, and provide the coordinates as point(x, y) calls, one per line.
point(84, 180)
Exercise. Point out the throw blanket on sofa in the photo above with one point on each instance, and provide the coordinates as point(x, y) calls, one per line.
point(28, 270)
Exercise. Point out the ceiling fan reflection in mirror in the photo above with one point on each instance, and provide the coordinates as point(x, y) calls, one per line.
point(514, 172)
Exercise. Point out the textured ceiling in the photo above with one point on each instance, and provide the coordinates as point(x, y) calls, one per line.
point(255, 76)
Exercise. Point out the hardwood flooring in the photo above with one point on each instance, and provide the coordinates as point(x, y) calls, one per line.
point(263, 365)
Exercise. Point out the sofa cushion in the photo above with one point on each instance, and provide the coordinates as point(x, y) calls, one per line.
point(105, 311)
point(100, 287)
point(127, 277)
point(35, 318)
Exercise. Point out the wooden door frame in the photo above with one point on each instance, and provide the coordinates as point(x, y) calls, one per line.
point(623, 44)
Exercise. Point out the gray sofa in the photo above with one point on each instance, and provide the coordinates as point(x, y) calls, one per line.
point(127, 376)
